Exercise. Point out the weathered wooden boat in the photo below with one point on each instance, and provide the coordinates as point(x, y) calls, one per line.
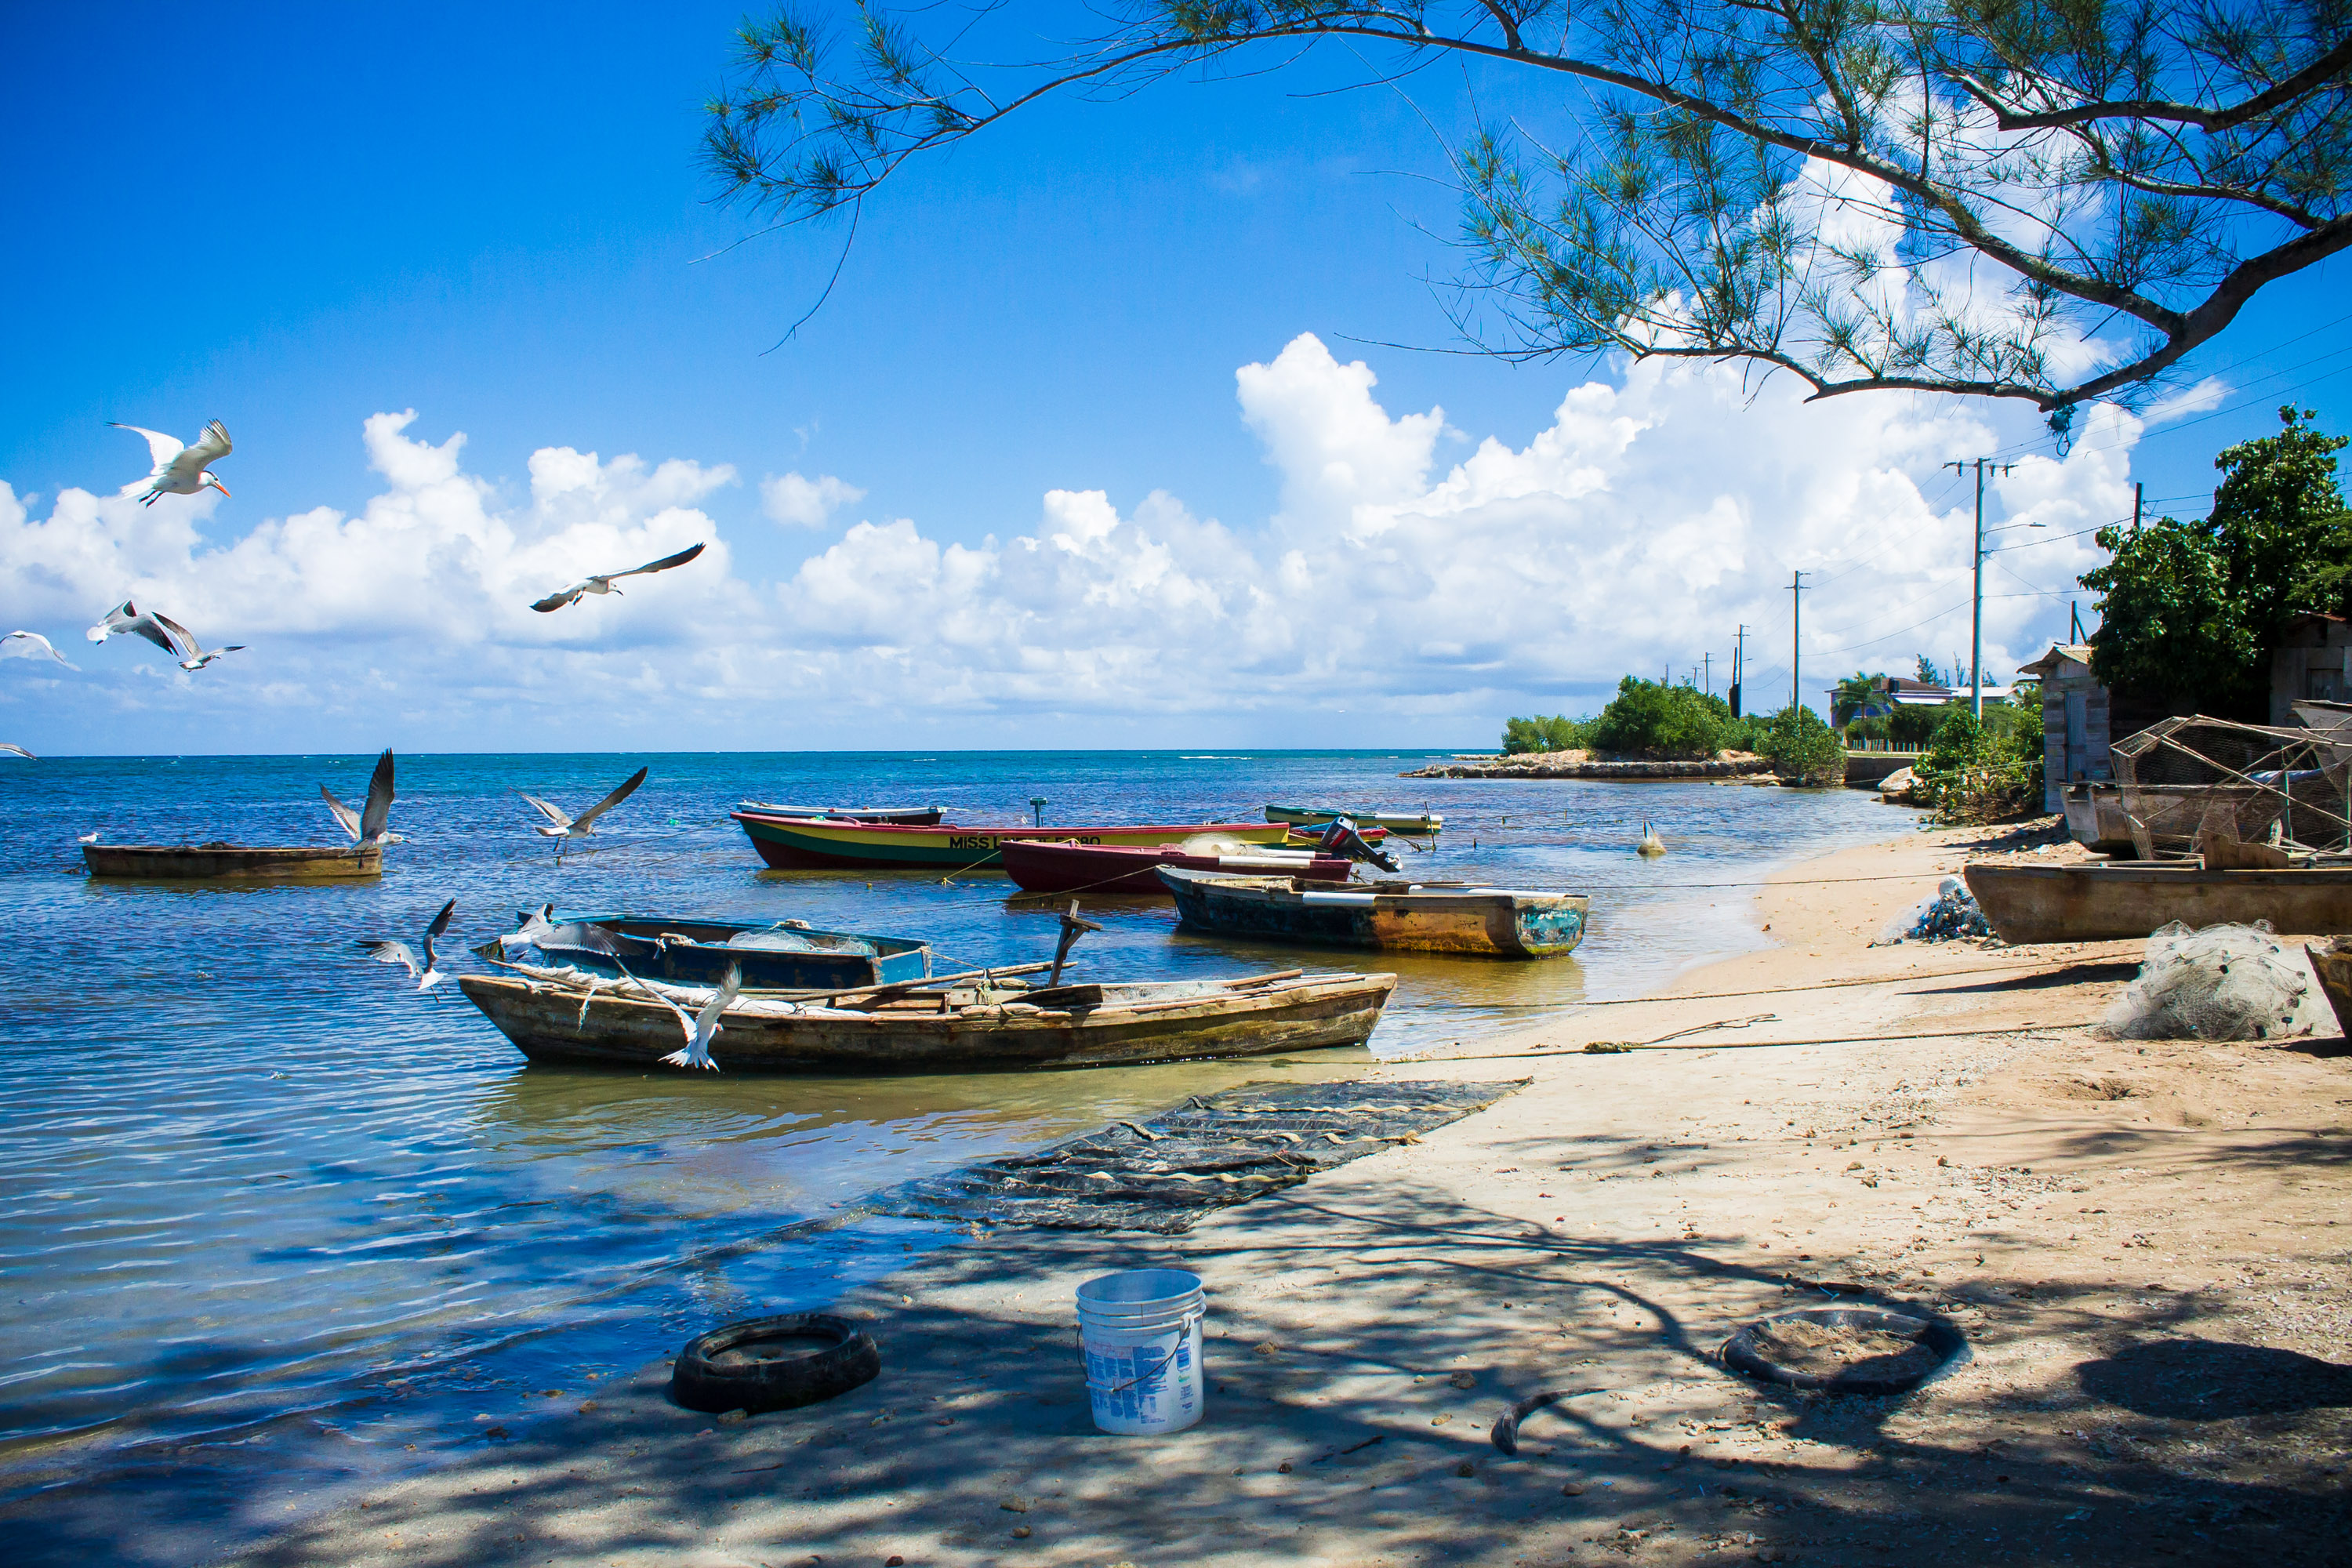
point(1067, 867)
point(1308, 838)
point(1496, 922)
point(1062, 1026)
point(790, 955)
point(300, 863)
point(795, 843)
point(2331, 963)
point(2101, 901)
point(901, 815)
point(2098, 818)
point(1417, 823)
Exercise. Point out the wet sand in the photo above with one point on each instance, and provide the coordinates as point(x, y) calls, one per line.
point(2146, 1246)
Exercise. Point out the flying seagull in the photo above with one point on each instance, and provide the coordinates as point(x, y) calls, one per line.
point(178, 640)
point(120, 621)
point(182, 470)
point(25, 644)
point(18, 751)
point(385, 951)
point(603, 584)
point(367, 826)
point(529, 924)
point(703, 1027)
point(585, 824)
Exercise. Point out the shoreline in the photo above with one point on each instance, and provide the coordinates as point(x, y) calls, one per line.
point(2115, 1226)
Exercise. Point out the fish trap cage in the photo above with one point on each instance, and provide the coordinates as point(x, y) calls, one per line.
point(2193, 785)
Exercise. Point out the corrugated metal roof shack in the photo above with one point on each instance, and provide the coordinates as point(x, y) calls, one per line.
point(2075, 717)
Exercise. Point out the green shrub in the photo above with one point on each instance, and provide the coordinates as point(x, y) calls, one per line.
point(1980, 772)
point(1803, 749)
point(1910, 727)
point(1649, 719)
point(1557, 733)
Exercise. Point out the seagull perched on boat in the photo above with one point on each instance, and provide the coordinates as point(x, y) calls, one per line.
point(86, 838)
point(182, 470)
point(28, 645)
point(367, 825)
point(179, 641)
point(703, 1027)
point(529, 926)
point(585, 824)
point(383, 950)
point(603, 584)
point(17, 751)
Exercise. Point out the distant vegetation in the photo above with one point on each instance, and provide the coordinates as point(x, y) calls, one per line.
point(1983, 771)
point(1803, 749)
point(1659, 722)
point(1544, 734)
point(1651, 719)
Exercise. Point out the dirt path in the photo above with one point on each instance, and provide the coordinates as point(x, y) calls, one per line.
point(2146, 1246)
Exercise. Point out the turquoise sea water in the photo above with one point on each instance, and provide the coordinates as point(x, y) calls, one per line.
point(265, 1214)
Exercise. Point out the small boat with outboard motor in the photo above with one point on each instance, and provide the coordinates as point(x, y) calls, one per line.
point(797, 843)
point(1414, 824)
point(699, 951)
point(1424, 916)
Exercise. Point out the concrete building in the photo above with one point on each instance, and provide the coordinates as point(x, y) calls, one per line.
point(2075, 717)
point(2313, 661)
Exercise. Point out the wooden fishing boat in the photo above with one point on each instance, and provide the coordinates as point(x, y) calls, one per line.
point(2331, 963)
point(2096, 818)
point(1062, 1026)
point(901, 815)
point(1416, 823)
point(280, 863)
point(1497, 922)
point(1308, 838)
point(2102, 901)
point(795, 843)
point(1067, 867)
point(700, 952)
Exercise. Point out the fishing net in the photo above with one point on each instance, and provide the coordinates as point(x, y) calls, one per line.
point(1950, 916)
point(2183, 779)
point(1163, 1172)
point(2223, 982)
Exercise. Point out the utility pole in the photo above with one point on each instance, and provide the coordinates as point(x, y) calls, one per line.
point(1738, 667)
point(1707, 664)
point(1976, 611)
point(1796, 640)
point(2139, 491)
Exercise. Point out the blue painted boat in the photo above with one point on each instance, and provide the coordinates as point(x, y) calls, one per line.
point(1494, 923)
point(787, 955)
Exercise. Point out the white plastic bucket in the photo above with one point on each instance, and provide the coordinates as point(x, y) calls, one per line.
point(1141, 1332)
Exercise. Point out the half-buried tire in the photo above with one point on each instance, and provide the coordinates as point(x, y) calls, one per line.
point(774, 1363)
point(1844, 1350)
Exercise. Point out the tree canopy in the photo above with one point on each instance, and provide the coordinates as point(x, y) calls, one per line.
point(1938, 194)
point(2190, 611)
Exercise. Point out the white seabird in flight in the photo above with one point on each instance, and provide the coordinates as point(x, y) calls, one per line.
point(703, 1027)
point(25, 644)
point(603, 584)
point(182, 470)
point(17, 751)
point(562, 825)
point(178, 640)
point(385, 951)
point(367, 825)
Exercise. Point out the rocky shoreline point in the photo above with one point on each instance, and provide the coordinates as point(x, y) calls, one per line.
point(1581, 764)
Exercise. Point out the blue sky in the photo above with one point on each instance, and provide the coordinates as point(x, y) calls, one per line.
point(294, 218)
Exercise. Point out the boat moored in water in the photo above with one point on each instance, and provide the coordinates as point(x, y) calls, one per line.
point(693, 951)
point(1415, 822)
point(551, 1018)
point(1495, 923)
point(2102, 901)
point(1067, 867)
point(246, 862)
point(902, 816)
point(795, 843)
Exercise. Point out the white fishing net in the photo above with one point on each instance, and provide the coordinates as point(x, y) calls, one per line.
point(2223, 982)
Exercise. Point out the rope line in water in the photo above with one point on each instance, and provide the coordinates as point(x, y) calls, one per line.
point(1628, 1046)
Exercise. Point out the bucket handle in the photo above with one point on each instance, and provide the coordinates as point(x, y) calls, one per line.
point(1184, 1326)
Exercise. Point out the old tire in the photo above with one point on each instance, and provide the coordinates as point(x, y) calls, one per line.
point(1744, 1352)
point(774, 1363)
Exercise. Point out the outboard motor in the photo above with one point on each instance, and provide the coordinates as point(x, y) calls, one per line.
point(1341, 839)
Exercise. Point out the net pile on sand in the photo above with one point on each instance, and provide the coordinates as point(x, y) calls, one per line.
point(2223, 982)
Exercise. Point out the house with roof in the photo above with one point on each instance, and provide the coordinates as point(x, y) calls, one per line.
point(2075, 711)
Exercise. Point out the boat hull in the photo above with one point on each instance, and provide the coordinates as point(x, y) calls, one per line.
point(797, 843)
point(216, 861)
point(900, 815)
point(1416, 823)
point(548, 1023)
point(2132, 899)
point(1482, 923)
point(696, 952)
point(1117, 868)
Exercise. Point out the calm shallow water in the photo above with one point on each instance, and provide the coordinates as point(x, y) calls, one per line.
point(254, 1192)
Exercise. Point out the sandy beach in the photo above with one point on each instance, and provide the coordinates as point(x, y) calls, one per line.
point(2146, 1246)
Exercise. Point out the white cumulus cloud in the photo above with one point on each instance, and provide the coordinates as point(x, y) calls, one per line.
point(804, 502)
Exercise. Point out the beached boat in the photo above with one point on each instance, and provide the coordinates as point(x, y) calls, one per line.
point(790, 955)
point(2103, 900)
point(1498, 922)
point(2331, 963)
point(1416, 823)
point(281, 863)
point(1065, 867)
point(901, 815)
point(1063, 1026)
point(795, 843)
